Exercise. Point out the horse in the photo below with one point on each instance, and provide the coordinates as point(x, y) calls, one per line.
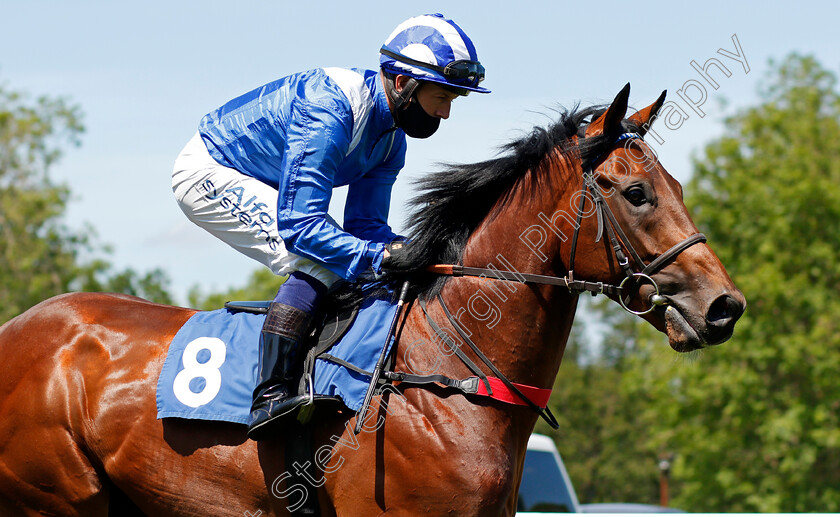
point(582, 205)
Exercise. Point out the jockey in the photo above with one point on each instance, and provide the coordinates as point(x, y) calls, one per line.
point(259, 175)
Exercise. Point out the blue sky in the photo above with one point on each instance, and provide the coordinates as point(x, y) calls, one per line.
point(145, 73)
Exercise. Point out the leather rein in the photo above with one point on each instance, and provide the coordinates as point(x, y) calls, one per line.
point(537, 398)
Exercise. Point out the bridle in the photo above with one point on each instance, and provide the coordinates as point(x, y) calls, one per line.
point(635, 272)
point(618, 238)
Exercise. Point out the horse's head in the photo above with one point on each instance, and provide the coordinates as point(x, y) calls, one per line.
point(643, 215)
point(629, 218)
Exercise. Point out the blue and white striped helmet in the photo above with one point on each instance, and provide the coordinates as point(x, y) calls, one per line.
point(433, 48)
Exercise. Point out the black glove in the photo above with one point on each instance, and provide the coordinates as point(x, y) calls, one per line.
point(397, 259)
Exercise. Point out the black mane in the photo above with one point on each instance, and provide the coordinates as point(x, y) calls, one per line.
point(454, 200)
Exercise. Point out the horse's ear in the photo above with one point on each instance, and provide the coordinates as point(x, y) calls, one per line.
point(611, 118)
point(644, 118)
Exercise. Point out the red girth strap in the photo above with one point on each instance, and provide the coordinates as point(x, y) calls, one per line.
point(538, 396)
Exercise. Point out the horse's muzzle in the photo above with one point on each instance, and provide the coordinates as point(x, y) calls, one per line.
point(721, 317)
point(690, 327)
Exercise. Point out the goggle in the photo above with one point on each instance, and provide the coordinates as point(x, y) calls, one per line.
point(462, 72)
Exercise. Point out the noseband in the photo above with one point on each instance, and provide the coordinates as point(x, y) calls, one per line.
point(634, 273)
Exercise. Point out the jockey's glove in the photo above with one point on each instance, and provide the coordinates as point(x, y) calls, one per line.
point(397, 259)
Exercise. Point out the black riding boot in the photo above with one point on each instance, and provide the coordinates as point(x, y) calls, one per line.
point(275, 396)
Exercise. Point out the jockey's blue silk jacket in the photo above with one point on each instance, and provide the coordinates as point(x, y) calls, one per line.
point(306, 134)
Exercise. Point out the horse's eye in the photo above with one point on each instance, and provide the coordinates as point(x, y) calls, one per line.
point(635, 195)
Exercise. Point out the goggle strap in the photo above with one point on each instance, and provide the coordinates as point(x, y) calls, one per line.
point(413, 62)
point(409, 61)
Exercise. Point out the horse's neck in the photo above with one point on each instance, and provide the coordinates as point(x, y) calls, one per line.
point(524, 332)
point(527, 338)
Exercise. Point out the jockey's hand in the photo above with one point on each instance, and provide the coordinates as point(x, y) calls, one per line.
point(395, 257)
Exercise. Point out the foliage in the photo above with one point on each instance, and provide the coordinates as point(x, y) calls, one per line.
point(262, 285)
point(755, 423)
point(40, 256)
point(150, 286)
point(758, 422)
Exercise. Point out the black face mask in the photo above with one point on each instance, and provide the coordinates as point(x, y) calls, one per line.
point(414, 120)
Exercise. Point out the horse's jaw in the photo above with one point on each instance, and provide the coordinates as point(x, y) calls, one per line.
point(694, 317)
point(685, 333)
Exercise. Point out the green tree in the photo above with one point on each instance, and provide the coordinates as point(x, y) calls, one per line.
point(262, 285)
point(151, 286)
point(604, 435)
point(755, 424)
point(40, 256)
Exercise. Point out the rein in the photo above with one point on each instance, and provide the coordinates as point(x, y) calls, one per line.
point(537, 398)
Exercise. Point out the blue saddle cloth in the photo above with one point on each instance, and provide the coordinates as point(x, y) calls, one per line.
point(211, 367)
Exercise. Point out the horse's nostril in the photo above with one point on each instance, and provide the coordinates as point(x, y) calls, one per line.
point(725, 310)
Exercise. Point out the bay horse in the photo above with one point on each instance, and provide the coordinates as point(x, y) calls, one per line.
point(78, 428)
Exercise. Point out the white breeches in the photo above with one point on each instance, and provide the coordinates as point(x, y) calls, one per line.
point(238, 209)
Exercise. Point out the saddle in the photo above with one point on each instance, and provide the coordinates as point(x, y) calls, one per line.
point(330, 325)
point(325, 350)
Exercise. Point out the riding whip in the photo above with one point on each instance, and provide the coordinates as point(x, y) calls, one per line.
point(377, 371)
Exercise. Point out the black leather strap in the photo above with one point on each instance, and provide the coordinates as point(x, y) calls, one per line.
point(456, 348)
point(529, 278)
point(468, 386)
point(300, 457)
point(545, 413)
point(675, 250)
